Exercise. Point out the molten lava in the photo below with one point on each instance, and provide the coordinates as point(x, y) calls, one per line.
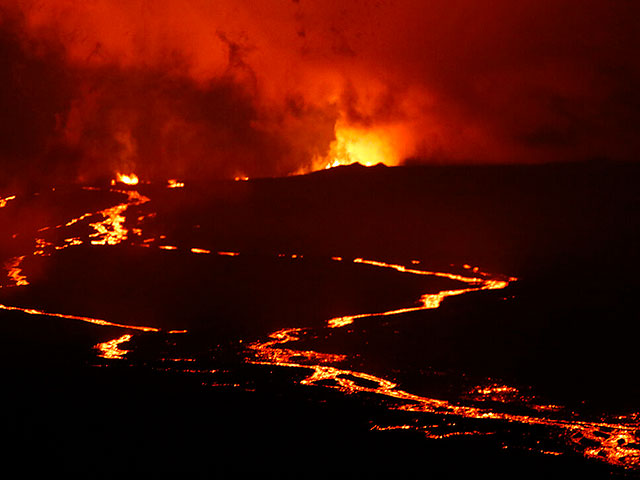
point(111, 230)
point(429, 300)
point(111, 349)
point(3, 201)
point(14, 272)
point(95, 321)
point(172, 183)
point(128, 179)
point(613, 440)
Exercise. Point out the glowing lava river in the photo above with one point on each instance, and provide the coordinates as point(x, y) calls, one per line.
point(310, 355)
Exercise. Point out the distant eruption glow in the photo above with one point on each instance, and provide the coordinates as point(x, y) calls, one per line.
point(275, 88)
point(367, 147)
point(128, 179)
point(173, 183)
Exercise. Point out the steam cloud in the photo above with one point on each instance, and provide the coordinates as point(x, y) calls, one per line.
point(203, 89)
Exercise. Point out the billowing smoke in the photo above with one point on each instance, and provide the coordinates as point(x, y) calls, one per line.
point(204, 89)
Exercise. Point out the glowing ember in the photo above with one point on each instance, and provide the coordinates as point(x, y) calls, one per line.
point(130, 179)
point(228, 254)
point(111, 349)
point(172, 183)
point(168, 247)
point(75, 220)
point(241, 178)
point(279, 356)
point(70, 242)
point(200, 250)
point(41, 246)
point(495, 390)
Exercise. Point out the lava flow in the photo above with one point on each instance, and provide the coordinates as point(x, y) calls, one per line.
point(3, 201)
point(14, 272)
point(615, 442)
point(111, 230)
point(429, 300)
point(111, 349)
point(95, 321)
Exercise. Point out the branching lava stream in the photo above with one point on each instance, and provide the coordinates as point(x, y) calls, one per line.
point(612, 440)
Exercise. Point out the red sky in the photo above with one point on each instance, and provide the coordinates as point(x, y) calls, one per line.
point(196, 88)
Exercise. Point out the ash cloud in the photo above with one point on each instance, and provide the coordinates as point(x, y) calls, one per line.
point(213, 90)
point(35, 95)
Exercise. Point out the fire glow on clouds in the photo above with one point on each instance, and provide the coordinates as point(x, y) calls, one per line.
point(196, 88)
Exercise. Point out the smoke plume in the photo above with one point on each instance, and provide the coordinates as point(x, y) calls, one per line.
point(204, 89)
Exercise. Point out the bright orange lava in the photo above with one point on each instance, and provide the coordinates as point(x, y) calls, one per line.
point(614, 442)
point(14, 272)
point(356, 145)
point(172, 183)
point(3, 201)
point(111, 349)
point(128, 179)
point(429, 300)
point(111, 230)
point(95, 321)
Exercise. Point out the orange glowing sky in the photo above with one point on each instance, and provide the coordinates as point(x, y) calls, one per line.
point(188, 88)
